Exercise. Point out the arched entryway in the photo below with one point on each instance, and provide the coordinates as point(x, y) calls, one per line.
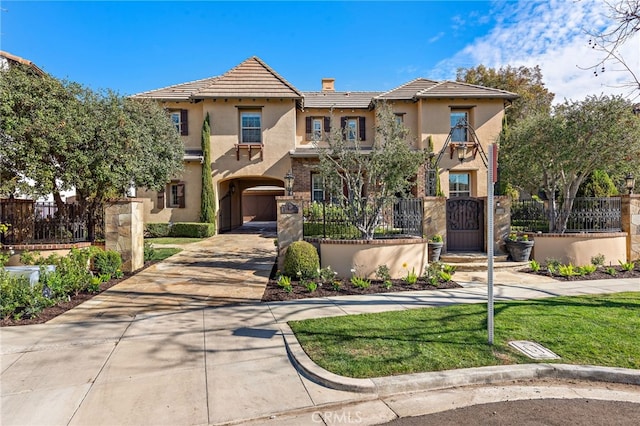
point(247, 199)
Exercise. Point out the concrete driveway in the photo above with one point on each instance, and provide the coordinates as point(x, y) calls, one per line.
point(187, 342)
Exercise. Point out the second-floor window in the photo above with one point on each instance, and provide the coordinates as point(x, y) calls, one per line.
point(459, 123)
point(353, 128)
point(179, 120)
point(317, 129)
point(250, 127)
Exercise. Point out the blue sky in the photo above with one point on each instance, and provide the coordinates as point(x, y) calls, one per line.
point(137, 46)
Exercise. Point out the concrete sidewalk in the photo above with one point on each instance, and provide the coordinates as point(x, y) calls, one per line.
point(187, 342)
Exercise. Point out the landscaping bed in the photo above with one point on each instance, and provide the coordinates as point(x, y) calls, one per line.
point(51, 312)
point(601, 273)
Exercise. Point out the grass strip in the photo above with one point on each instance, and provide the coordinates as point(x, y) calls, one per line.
point(596, 330)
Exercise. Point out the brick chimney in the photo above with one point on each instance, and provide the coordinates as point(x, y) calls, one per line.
point(328, 84)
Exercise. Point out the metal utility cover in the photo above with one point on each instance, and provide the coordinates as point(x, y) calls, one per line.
point(533, 350)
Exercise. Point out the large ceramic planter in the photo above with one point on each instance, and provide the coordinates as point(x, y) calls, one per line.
point(435, 249)
point(519, 251)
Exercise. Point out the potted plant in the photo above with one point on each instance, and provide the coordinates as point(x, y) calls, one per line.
point(519, 247)
point(435, 247)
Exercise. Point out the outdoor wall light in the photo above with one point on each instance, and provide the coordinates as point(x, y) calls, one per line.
point(630, 182)
point(462, 151)
point(288, 182)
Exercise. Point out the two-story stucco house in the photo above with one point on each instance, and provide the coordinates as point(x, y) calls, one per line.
point(263, 127)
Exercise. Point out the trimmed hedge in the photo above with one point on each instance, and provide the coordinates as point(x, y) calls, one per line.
point(156, 230)
point(180, 229)
point(107, 262)
point(192, 230)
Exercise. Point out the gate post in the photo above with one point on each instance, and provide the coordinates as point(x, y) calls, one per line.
point(434, 218)
point(630, 223)
point(290, 224)
point(123, 231)
point(501, 222)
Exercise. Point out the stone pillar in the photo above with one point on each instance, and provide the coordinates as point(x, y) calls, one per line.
point(124, 229)
point(434, 220)
point(501, 222)
point(289, 224)
point(631, 225)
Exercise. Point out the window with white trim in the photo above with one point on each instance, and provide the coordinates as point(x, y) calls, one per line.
point(352, 129)
point(459, 185)
point(459, 118)
point(317, 188)
point(250, 127)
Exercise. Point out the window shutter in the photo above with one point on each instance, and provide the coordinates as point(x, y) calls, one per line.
point(343, 126)
point(361, 128)
point(160, 200)
point(308, 122)
point(184, 125)
point(327, 124)
point(181, 198)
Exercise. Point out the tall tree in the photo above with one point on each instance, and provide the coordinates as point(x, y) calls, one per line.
point(207, 203)
point(58, 136)
point(556, 152)
point(527, 82)
point(371, 176)
point(624, 16)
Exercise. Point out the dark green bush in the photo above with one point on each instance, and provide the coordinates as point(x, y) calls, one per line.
point(192, 229)
point(107, 262)
point(156, 230)
point(301, 260)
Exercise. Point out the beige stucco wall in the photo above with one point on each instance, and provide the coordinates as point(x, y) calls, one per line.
point(191, 176)
point(366, 256)
point(578, 249)
point(338, 113)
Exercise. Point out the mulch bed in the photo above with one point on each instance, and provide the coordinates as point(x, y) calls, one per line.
point(275, 293)
point(53, 311)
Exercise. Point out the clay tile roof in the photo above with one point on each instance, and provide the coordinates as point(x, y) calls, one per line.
point(252, 78)
point(17, 59)
point(178, 92)
point(454, 89)
point(408, 90)
point(423, 88)
point(338, 99)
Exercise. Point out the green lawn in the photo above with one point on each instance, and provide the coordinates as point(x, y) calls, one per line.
point(163, 253)
point(598, 330)
point(173, 240)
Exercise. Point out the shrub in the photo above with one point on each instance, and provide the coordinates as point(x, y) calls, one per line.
point(107, 262)
point(301, 258)
point(627, 266)
point(360, 282)
point(156, 230)
point(535, 266)
point(598, 260)
point(311, 286)
point(586, 269)
point(19, 299)
point(192, 230)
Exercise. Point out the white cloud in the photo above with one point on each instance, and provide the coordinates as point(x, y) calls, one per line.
point(550, 34)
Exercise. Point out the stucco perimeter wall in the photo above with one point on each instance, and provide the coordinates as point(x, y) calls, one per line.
point(578, 249)
point(366, 256)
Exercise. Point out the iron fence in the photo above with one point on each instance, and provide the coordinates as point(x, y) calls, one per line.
point(402, 217)
point(588, 214)
point(33, 222)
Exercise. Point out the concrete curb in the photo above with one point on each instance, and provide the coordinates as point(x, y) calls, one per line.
point(386, 386)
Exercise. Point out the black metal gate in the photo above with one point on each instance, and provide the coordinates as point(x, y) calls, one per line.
point(465, 224)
